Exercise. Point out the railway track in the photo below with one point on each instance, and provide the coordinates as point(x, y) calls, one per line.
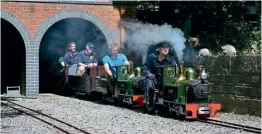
point(56, 123)
point(231, 125)
point(68, 128)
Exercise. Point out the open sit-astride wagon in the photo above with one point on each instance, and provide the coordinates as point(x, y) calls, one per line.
point(180, 92)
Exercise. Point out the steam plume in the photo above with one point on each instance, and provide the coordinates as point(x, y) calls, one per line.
point(139, 37)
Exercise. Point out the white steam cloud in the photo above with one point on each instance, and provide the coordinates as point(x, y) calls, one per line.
point(139, 36)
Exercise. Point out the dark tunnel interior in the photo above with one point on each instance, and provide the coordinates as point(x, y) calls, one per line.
point(12, 57)
point(54, 45)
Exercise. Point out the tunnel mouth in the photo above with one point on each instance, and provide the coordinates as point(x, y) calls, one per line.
point(12, 58)
point(54, 45)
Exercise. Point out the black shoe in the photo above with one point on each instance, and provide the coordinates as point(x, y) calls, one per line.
point(149, 108)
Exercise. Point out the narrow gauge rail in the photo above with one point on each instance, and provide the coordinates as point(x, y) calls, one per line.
point(231, 125)
point(208, 121)
point(43, 117)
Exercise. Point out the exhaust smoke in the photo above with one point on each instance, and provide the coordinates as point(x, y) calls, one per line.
point(139, 37)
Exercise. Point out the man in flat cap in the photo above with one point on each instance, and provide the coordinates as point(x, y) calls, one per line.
point(88, 59)
point(152, 74)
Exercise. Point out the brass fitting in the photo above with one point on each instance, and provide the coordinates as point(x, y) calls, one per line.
point(181, 75)
point(137, 72)
point(190, 74)
point(130, 67)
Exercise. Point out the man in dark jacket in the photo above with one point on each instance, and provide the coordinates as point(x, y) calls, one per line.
point(61, 60)
point(73, 59)
point(152, 74)
point(89, 59)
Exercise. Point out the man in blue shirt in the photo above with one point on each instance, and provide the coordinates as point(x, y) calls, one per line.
point(88, 59)
point(114, 59)
point(152, 74)
point(110, 61)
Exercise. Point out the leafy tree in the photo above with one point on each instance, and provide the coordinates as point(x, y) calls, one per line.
point(215, 23)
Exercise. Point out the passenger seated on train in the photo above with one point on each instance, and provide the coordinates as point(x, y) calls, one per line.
point(61, 60)
point(73, 58)
point(152, 74)
point(112, 60)
point(88, 59)
point(62, 63)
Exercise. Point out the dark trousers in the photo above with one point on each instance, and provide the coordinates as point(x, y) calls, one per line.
point(148, 86)
point(111, 85)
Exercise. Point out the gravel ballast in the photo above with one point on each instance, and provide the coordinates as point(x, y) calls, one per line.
point(15, 122)
point(105, 119)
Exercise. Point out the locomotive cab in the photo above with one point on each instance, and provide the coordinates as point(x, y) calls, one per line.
point(124, 86)
point(170, 94)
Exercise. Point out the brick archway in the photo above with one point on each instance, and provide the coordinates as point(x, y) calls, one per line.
point(18, 25)
point(11, 18)
point(68, 13)
point(73, 13)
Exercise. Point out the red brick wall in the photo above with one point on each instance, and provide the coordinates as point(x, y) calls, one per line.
point(33, 14)
point(33, 19)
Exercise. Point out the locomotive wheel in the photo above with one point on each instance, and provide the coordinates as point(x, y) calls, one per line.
point(165, 111)
point(120, 101)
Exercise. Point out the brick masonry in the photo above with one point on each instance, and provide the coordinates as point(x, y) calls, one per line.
point(32, 20)
point(22, 30)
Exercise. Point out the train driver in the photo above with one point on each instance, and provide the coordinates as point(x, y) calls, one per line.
point(152, 74)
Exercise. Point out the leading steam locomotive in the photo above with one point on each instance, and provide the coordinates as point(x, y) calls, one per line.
point(184, 91)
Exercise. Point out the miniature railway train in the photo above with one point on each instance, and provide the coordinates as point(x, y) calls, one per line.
point(184, 91)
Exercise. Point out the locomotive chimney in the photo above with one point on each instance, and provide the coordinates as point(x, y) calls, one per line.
point(181, 75)
point(130, 67)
